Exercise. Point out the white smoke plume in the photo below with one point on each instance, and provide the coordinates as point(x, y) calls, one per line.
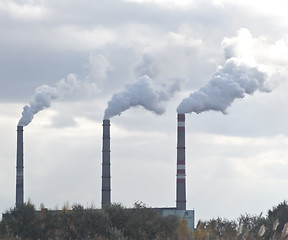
point(144, 92)
point(240, 75)
point(97, 68)
point(41, 99)
point(45, 94)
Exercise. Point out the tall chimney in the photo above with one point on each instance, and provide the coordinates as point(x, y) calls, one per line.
point(106, 177)
point(181, 175)
point(19, 167)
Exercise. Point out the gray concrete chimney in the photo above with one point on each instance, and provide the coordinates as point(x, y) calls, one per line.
point(106, 177)
point(19, 167)
point(181, 174)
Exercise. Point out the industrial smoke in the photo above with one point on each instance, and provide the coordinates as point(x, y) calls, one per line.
point(72, 84)
point(45, 94)
point(40, 100)
point(239, 75)
point(143, 92)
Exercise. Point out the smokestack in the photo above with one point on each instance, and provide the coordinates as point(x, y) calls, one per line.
point(181, 175)
point(106, 177)
point(19, 167)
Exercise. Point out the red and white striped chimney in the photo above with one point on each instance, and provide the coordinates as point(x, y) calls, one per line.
point(181, 174)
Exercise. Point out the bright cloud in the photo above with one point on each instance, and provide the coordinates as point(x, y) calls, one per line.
point(28, 11)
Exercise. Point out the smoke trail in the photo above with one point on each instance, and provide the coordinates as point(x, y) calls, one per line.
point(41, 99)
point(45, 94)
point(240, 75)
point(97, 68)
point(143, 93)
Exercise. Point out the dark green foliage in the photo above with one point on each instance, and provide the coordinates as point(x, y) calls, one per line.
point(141, 222)
point(112, 222)
point(22, 222)
point(48, 223)
point(146, 223)
point(223, 228)
point(118, 215)
point(279, 213)
point(249, 226)
point(97, 222)
point(80, 223)
point(276, 219)
point(215, 229)
point(115, 222)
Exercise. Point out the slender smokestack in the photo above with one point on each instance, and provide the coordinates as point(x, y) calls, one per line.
point(181, 175)
point(19, 167)
point(106, 177)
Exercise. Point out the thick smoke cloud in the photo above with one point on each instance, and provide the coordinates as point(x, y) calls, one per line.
point(240, 75)
point(144, 92)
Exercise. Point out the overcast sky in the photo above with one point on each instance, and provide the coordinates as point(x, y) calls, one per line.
point(88, 50)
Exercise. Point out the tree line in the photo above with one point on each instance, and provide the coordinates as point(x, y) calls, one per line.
point(111, 222)
point(139, 223)
point(273, 226)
